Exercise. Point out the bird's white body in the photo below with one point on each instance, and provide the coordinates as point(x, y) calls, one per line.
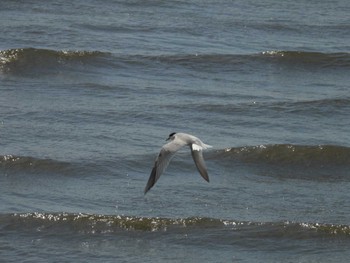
point(177, 141)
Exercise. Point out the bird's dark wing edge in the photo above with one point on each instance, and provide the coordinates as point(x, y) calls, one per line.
point(200, 164)
point(159, 167)
point(152, 179)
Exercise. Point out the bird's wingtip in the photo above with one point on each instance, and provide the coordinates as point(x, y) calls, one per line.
point(205, 177)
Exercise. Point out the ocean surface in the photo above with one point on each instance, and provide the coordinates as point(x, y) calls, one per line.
point(90, 90)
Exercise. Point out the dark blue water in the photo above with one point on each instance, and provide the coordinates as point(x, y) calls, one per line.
point(90, 92)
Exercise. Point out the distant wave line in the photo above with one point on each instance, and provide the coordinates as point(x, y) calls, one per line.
point(271, 154)
point(27, 58)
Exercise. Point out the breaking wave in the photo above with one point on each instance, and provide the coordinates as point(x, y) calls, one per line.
point(95, 224)
point(31, 60)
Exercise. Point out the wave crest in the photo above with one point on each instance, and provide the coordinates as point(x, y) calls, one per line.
point(289, 58)
point(290, 154)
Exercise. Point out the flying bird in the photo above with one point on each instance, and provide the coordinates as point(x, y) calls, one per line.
point(177, 141)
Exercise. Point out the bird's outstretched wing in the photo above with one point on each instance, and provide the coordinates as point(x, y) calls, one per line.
point(199, 161)
point(163, 159)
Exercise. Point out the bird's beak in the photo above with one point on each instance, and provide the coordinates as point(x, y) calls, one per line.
point(167, 139)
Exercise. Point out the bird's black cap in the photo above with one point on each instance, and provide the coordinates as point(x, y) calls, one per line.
point(171, 134)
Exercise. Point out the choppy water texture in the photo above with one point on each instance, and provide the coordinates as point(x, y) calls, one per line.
point(89, 93)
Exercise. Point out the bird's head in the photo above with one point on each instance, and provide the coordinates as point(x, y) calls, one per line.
point(171, 136)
